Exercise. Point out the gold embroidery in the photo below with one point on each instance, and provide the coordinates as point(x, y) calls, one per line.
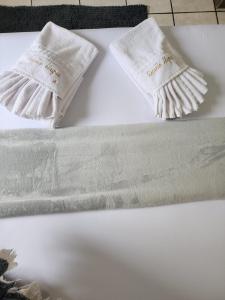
point(49, 67)
point(156, 68)
point(52, 70)
point(36, 61)
point(165, 60)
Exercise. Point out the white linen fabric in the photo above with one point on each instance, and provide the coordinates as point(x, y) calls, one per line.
point(159, 71)
point(43, 82)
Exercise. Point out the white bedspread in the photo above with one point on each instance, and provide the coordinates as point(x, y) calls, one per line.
point(164, 253)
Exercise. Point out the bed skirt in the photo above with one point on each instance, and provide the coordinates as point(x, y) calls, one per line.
point(127, 166)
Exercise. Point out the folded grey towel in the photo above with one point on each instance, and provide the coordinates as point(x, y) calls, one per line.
point(87, 168)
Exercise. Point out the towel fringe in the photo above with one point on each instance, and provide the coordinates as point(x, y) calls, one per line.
point(26, 98)
point(180, 96)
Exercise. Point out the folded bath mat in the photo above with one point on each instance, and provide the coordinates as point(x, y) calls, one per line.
point(45, 79)
point(25, 18)
point(167, 82)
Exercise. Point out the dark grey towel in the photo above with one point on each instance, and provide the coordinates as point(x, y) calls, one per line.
point(26, 18)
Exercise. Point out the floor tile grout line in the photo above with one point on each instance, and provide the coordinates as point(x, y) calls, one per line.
point(183, 12)
point(160, 13)
point(171, 5)
point(216, 12)
point(194, 12)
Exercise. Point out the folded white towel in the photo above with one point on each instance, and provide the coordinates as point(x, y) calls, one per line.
point(45, 79)
point(159, 71)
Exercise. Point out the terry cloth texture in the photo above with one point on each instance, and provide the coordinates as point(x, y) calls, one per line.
point(23, 19)
point(128, 166)
point(171, 87)
point(45, 79)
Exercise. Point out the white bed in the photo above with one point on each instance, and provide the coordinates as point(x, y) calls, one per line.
point(164, 253)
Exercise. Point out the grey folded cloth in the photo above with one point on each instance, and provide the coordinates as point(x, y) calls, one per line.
point(87, 168)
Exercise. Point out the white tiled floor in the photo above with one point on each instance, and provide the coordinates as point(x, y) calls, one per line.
point(195, 18)
point(155, 6)
point(164, 19)
point(54, 2)
point(15, 2)
point(192, 5)
point(167, 12)
point(221, 17)
point(102, 2)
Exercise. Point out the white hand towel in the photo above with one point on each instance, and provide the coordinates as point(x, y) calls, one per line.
point(45, 79)
point(167, 82)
